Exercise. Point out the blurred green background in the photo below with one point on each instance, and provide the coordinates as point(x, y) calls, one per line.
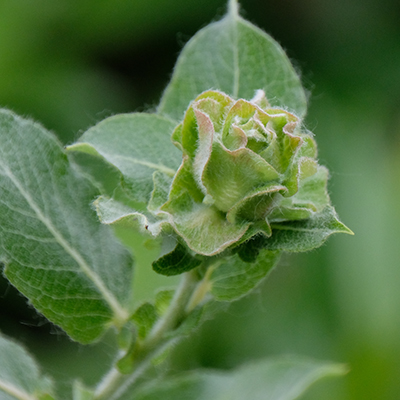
point(70, 64)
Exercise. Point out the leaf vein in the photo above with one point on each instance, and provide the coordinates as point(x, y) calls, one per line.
point(159, 167)
point(15, 392)
point(118, 310)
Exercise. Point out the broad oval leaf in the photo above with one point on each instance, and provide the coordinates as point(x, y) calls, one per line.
point(272, 379)
point(136, 144)
point(20, 377)
point(236, 57)
point(70, 267)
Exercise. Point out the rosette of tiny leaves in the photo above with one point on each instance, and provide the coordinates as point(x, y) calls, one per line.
point(249, 179)
point(246, 167)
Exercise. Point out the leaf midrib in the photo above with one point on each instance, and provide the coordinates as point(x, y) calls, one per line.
point(233, 15)
point(15, 392)
point(119, 312)
point(162, 168)
point(290, 228)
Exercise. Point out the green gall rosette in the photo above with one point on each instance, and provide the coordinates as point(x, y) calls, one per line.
point(248, 186)
point(246, 166)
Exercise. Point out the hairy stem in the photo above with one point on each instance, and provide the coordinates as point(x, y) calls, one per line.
point(233, 8)
point(114, 383)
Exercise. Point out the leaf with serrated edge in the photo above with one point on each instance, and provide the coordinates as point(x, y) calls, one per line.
point(55, 252)
point(285, 378)
point(136, 144)
point(307, 234)
point(20, 377)
point(236, 57)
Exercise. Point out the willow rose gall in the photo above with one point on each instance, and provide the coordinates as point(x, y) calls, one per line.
point(245, 166)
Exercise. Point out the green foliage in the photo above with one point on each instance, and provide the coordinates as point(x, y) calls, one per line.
point(80, 392)
point(241, 185)
point(54, 250)
point(176, 262)
point(234, 278)
point(306, 234)
point(20, 377)
point(237, 58)
point(136, 144)
point(283, 379)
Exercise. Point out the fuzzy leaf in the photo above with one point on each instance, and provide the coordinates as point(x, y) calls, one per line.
point(184, 182)
point(234, 277)
point(176, 262)
point(255, 205)
point(230, 176)
point(104, 176)
point(204, 229)
point(20, 377)
point(271, 379)
point(312, 190)
point(311, 196)
point(54, 250)
point(112, 212)
point(136, 144)
point(306, 234)
point(236, 57)
point(159, 195)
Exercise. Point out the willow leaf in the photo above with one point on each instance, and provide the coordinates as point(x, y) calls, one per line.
point(274, 379)
point(305, 235)
point(236, 57)
point(70, 267)
point(20, 377)
point(136, 144)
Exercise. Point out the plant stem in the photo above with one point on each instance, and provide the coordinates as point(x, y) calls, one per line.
point(233, 8)
point(202, 288)
point(114, 383)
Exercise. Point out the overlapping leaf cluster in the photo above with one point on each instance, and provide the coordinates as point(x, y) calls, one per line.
point(247, 177)
point(248, 180)
point(245, 166)
point(241, 185)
